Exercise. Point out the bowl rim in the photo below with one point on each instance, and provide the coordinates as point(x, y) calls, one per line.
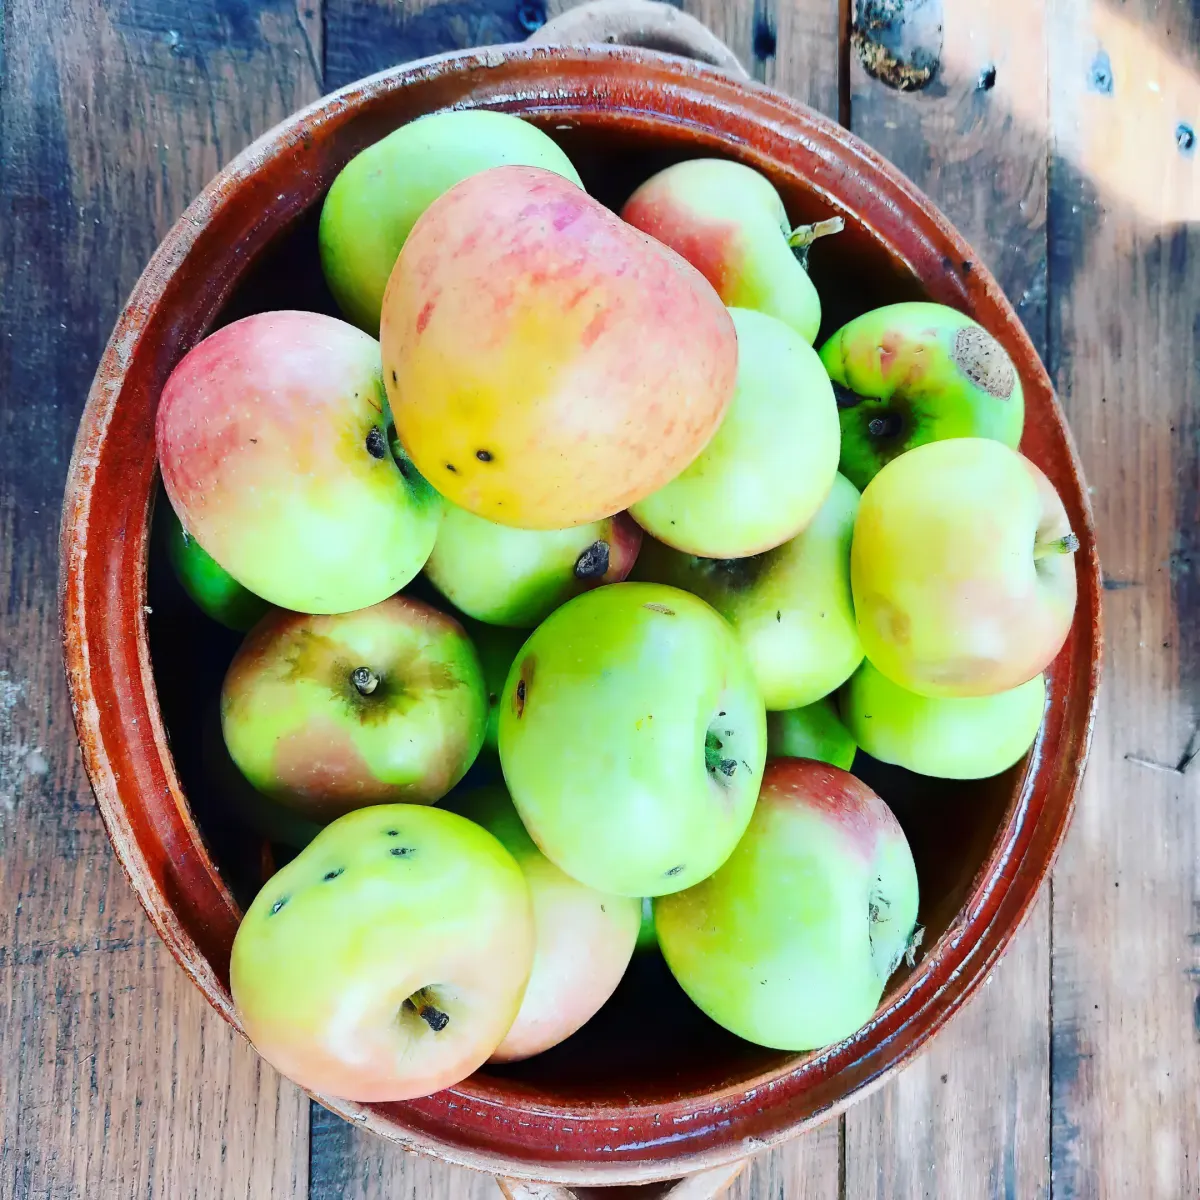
point(922, 1003)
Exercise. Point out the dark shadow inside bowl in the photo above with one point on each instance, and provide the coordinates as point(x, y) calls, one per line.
point(649, 1044)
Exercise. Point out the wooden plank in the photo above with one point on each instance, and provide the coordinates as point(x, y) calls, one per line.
point(970, 1117)
point(116, 1080)
point(1125, 271)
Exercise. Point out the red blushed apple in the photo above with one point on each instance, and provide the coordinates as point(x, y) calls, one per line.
point(272, 436)
point(331, 713)
point(792, 941)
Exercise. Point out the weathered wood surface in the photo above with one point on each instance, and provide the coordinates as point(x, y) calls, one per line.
point(1063, 143)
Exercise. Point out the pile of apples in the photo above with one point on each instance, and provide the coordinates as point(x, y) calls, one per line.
point(572, 494)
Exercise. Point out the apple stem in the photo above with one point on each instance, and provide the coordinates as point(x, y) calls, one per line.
point(428, 1011)
point(365, 680)
point(1062, 545)
point(803, 236)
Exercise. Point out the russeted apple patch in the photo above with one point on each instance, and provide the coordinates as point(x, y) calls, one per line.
point(982, 360)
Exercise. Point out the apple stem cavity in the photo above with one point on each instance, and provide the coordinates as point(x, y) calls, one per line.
point(365, 680)
point(429, 1012)
point(802, 237)
point(714, 760)
point(1063, 545)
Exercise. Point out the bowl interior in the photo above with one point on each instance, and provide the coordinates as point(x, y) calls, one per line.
point(649, 1044)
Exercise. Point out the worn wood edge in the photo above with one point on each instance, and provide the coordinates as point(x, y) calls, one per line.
point(94, 424)
point(649, 24)
point(706, 1185)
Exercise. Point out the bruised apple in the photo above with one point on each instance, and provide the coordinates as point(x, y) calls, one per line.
point(388, 959)
point(331, 713)
point(547, 364)
point(272, 437)
point(517, 577)
point(584, 938)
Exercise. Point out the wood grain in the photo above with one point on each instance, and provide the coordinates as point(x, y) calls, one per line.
point(1125, 274)
point(115, 1078)
point(969, 1118)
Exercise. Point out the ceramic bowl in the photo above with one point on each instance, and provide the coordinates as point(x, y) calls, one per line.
point(649, 1089)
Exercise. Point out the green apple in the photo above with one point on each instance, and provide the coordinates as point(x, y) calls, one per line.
point(962, 569)
point(632, 737)
point(791, 607)
point(379, 194)
point(330, 713)
point(584, 938)
point(272, 436)
point(388, 959)
point(791, 943)
point(913, 373)
point(213, 590)
point(729, 222)
point(814, 731)
point(969, 737)
point(647, 939)
point(518, 577)
point(772, 461)
point(496, 647)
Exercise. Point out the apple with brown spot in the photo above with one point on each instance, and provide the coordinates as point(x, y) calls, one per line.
point(547, 364)
point(331, 713)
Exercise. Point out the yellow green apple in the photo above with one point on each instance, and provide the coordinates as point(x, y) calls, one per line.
point(272, 436)
point(960, 737)
point(632, 737)
point(790, 607)
point(382, 191)
point(547, 364)
point(729, 222)
point(791, 943)
point(331, 713)
point(814, 731)
point(962, 569)
point(911, 373)
point(584, 938)
point(772, 461)
point(517, 577)
point(388, 959)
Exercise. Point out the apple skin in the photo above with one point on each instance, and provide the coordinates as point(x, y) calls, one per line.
point(272, 439)
point(546, 363)
point(729, 222)
point(518, 577)
point(790, 607)
point(236, 796)
point(912, 373)
point(496, 647)
point(962, 569)
point(814, 731)
point(390, 904)
point(303, 733)
point(585, 938)
point(968, 737)
point(209, 586)
point(632, 738)
point(769, 466)
point(379, 194)
point(791, 943)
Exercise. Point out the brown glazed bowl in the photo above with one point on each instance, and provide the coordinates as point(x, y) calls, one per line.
point(649, 1089)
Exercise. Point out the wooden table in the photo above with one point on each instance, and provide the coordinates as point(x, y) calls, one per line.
point(1061, 141)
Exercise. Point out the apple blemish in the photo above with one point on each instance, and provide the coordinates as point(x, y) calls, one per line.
point(593, 562)
point(376, 445)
